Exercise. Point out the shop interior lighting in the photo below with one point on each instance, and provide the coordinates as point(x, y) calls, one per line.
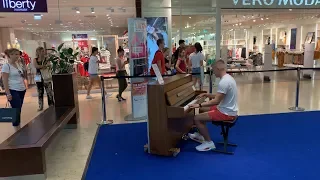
point(254, 20)
point(267, 18)
point(261, 19)
point(110, 9)
point(189, 17)
point(77, 11)
point(290, 9)
point(37, 17)
point(92, 11)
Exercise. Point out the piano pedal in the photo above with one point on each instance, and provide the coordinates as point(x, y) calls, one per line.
point(175, 151)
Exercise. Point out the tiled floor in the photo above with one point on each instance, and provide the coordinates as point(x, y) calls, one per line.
point(68, 153)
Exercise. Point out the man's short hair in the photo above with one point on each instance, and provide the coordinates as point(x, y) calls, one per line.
point(181, 41)
point(220, 64)
point(160, 41)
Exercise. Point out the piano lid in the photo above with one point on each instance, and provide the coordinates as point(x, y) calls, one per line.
point(171, 79)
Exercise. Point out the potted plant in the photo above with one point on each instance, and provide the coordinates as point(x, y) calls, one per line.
point(63, 77)
point(63, 59)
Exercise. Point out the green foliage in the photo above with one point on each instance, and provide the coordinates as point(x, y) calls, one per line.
point(63, 59)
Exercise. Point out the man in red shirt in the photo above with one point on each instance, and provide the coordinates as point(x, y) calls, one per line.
point(159, 58)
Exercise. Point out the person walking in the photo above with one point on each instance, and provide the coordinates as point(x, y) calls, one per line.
point(13, 80)
point(196, 63)
point(43, 82)
point(121, 71)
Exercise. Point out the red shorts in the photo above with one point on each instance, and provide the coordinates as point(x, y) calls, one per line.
point(216, 115)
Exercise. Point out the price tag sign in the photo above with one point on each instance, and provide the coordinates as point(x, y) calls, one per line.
point(158, 74)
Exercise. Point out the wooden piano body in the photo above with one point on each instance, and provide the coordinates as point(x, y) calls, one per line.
point(169, 116)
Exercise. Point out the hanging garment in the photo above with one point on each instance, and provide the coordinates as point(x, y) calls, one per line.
point(244, 53)
point(317, 51)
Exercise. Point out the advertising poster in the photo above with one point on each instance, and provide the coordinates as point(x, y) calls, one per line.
point(293, 40)
point(81, 41)
point(157, 28)
point(137, 38)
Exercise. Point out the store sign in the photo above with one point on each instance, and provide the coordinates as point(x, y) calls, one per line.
point(24, 6)
point(79, 36)
point(269, 4)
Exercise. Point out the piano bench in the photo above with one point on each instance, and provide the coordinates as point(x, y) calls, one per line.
point(225, 126)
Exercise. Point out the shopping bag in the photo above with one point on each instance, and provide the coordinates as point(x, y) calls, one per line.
point(9, 114)
point(37, 78)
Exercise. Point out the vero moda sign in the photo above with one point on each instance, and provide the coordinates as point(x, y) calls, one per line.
point(23, 6)
point(265, 4)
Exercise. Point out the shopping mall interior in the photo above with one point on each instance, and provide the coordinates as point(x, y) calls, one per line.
point(272, 50)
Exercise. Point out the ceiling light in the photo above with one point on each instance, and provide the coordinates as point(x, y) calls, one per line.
point(37, 24)
point(78, 12)
point(190, 17)
point(101, 28)
point(267, 18)
point(254, 20)
point(261, 19)
point(50, 24)
point(107, 14)
point(92, 10)
point(290, 9)
point(240, 24)
point(236, 24)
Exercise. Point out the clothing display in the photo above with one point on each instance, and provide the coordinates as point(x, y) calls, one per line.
point(244, 53)
point(280, 57)
point(317, 51)
point(105, 56)
point(256, 59)
point(290, 57)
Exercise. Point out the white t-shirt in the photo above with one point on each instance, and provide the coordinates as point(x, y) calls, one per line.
point(93, 65)
point(195, 59)
point(229, 104)
point(16, 82)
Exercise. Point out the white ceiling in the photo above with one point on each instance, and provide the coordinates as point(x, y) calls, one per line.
point(71, 21)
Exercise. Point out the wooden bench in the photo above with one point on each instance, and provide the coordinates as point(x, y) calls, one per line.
point(22, 156)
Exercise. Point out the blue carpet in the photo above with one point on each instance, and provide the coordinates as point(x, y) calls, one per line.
point(278, 146)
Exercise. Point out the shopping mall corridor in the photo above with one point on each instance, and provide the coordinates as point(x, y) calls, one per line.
point(67, 155)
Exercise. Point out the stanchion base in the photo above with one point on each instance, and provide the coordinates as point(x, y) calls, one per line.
point(296, 109)
point(266, 79)
point(108, 122)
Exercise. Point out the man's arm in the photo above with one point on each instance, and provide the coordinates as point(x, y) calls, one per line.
point(217, 99)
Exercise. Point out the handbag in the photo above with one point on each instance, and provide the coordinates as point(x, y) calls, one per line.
point(46, 75)
point(9, 114)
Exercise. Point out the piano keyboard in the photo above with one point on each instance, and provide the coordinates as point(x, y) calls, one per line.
point(192, 102)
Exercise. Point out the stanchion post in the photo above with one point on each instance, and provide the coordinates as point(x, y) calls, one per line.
point(104, 120)
point(210, 81)
point(297, 108)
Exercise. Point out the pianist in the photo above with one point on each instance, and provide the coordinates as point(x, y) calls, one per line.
point(222, 107)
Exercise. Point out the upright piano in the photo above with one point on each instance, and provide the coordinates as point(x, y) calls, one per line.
point(169, 115)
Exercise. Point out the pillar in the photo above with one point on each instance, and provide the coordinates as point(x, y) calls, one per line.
point(218, 33)
point(7, 36)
